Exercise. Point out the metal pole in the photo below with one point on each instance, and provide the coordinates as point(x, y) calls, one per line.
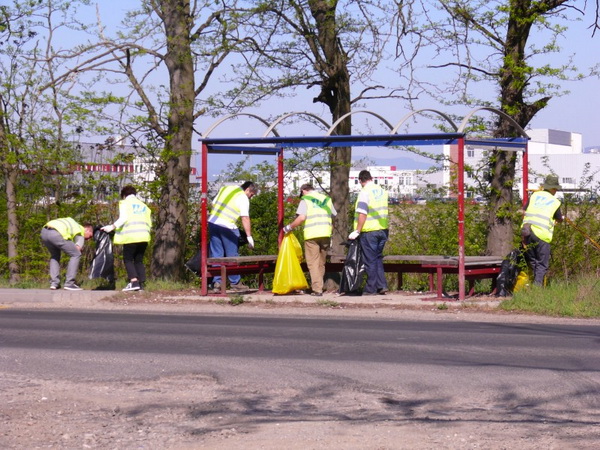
point(204, 222)
point(525, 174)
point(280, 202)
point(461, 218)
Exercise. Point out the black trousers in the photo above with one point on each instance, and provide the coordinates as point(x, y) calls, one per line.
point(537, 255)
point(133, 257)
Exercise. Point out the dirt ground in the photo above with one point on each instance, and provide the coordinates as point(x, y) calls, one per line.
point(197, 412)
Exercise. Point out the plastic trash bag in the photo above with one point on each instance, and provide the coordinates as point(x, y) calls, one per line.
point(288, 272)
point(103, 264)
point(354, 270)
point(509, 270)
point(522, 281)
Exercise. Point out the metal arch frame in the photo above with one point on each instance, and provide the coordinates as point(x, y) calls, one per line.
point(285, 116)
point(275, 145)
point(471, 113)
point(232, 116)
point(351, 113)
point(418, 111)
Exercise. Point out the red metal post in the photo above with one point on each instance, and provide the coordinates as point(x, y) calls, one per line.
point(525, 174)
point(204, 222)
point(461, 218)
point(280, 200)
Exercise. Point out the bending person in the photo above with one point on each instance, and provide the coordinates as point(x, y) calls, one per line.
point(230, 204)
point(315, 211)
point(67, 236)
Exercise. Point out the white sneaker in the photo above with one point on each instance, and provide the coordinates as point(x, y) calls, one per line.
point(133, 286)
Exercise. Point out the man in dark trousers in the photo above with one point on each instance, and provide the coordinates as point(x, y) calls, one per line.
point(371, 224)
point(541, 213)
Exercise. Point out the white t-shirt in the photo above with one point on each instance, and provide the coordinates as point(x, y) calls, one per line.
point(242, 202)
point(362, 203)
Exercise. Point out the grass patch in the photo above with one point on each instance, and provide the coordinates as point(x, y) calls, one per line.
point(236, 300)
point(328, 303)
point(579, 298)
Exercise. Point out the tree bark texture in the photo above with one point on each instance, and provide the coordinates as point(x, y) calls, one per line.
point(513, 82)
point(169, 245)
point(10, 172)
point(335, 93)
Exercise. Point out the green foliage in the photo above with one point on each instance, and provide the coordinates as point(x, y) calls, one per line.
point(572, 252)
point(432, 229)
point(579, 297)
point(236, 299)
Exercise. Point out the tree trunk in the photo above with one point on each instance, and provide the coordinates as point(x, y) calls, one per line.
point(169, 246)
point(10, 174)
point(500, 214)
point(513, 84)
point(12, 231)
point(335, 93)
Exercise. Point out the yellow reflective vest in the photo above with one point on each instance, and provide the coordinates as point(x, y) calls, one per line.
point(224, 207)
point(377, 216)
point(138, 222)
point(318, 216)
point(67, 227)
point(540, 214)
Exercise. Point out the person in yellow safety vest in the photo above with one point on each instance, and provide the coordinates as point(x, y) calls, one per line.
point(541, 212)
point(68, 236)
point(230, 204)
point(371, 224)
point(315, 211)
point(133, 231)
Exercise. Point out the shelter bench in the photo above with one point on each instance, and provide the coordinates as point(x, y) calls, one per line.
point(476, 268)
point(237, 265)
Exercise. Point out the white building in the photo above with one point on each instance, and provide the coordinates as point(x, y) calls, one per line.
point(549, 151)
point(399, 183)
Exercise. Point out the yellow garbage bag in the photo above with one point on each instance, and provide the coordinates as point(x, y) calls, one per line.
point(288, 273)
point(522, 281)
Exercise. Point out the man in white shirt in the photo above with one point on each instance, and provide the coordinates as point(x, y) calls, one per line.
point(231, 203)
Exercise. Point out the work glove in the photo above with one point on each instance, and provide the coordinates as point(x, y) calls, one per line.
point(108, 228)
point(287, 229)
point(250, 241)
point(353, 235)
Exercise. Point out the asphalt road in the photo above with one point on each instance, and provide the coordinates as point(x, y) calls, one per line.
point(191, 342)
point(254, 380)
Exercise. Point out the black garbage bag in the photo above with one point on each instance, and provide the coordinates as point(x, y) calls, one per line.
point(243, 239)
point(354, 270)
point(509, 270)
point(193, 264)
point(103, 264)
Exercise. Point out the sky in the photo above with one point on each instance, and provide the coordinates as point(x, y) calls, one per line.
point(576, 111)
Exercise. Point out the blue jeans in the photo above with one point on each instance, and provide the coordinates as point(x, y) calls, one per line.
point(223, 242)
point(372, 243)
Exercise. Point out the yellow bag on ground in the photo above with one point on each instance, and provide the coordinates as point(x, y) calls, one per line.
point(522, 281)
point(288, 273)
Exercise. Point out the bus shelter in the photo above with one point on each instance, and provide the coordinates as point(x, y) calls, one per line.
point(273, 145)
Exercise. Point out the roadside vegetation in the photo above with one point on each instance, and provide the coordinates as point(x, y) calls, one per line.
point(577, 298)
